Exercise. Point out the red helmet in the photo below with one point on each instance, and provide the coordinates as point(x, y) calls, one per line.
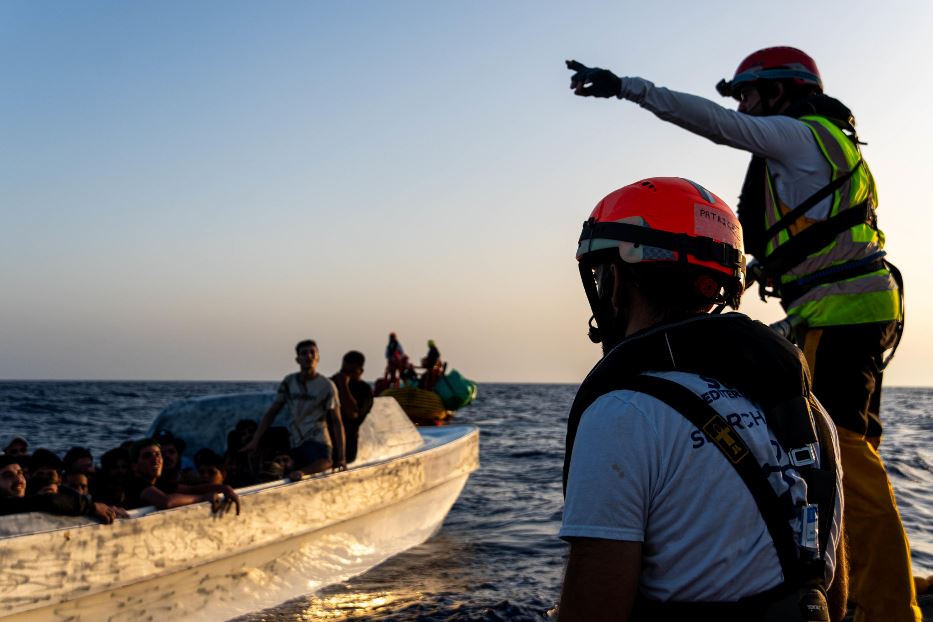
point(666, 219)
point(661, 220)
point(777, 63)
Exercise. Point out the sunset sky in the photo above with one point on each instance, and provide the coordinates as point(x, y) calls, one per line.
point(187, 189)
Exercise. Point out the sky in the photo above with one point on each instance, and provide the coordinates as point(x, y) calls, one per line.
point(188, 189)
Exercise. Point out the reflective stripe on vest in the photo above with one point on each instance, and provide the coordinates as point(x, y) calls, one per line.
point(826, 305)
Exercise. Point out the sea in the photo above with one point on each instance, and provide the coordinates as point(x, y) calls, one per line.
point(497, 556)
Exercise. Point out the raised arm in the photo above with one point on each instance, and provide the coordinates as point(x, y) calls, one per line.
point(774, 137)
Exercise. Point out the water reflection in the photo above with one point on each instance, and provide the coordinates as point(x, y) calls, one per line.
point(346, 605)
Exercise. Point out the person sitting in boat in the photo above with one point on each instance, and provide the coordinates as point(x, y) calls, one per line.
point(66, 502)
point(79, 459)
point(77, 481)
point(15, 446)
point(433, 367)
point(314, 404)
point(172, 449)
point(44, 460)
point(239, 470)
point(42, 484)
point(396, 361)
point(115, 474)
point(211, 467)
point(44, 477)
point(146, 458)
point(356, 398)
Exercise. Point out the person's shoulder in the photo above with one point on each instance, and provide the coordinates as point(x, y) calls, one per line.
point(324, 381)
point(624, 409)
point(360, 387)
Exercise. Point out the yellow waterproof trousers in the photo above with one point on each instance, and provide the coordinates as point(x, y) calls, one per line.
point(881, 584)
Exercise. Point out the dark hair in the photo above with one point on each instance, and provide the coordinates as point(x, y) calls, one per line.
point(354, 357)
point(6, 460)
point(76, 453)
point(208, 457)
point(110, 458)
point(139, 445)
point(164, 437)
point(43, 457)
point(307, 343)
point(38, 482)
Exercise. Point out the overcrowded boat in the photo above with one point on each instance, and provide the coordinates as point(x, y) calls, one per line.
point(289, 539)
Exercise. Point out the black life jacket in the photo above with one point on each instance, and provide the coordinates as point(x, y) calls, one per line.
point(748, 356)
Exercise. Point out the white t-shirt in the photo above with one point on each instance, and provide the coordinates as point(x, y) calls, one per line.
point(794, 158)
point(309, 403)
point(642, 472)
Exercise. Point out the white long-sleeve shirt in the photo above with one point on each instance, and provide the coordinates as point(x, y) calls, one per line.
point(788, 145)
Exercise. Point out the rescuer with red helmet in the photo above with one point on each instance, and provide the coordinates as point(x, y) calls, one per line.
point(694, 447)
point(808, 211)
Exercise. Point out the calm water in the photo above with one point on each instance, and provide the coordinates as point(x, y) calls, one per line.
point(497, 556)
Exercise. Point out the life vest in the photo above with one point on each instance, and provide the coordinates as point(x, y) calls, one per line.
point(750, 357)
point(832, 271)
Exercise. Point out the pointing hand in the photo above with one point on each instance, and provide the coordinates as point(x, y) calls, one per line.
point(593, 81)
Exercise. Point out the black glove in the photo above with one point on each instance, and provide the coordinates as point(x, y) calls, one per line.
point(593, 81)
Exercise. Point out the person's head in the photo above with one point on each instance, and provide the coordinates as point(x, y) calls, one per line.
point(115, 465)
point(392, 337)
point(146, 459)
point(211, 467)
point(42, 484)
point(172, 448)
point(307, 355)
point(16, 446)
point(284, 459)
point(79, 459)
point(45, 461)
point(77, 481)
point(766, 82)
point(431, 343)
point(12, 480)
point(352, 364)
point(658, 250)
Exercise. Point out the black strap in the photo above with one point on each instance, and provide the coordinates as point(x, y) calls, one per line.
point(701, 247)
point(849, 270)
point(821, 483)
point(815, 237)
point(791, 217)
point(723, 435)
point(902, 320)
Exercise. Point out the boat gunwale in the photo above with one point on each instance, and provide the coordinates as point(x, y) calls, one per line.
point(247, 491)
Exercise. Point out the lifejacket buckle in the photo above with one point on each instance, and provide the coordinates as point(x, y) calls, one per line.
point(802, 456)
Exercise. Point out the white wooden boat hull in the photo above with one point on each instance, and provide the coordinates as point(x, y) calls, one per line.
point(290, 539)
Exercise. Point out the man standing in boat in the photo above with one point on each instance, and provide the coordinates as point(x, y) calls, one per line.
point(701, 476)
point(808, 212)
point(314, 405)
point(356, 398)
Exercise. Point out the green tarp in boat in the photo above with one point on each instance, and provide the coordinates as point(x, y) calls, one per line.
point(455, 390)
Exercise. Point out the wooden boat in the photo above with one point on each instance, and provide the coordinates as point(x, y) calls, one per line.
point(290, 539)
point(437, 406)
point(424, 408)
